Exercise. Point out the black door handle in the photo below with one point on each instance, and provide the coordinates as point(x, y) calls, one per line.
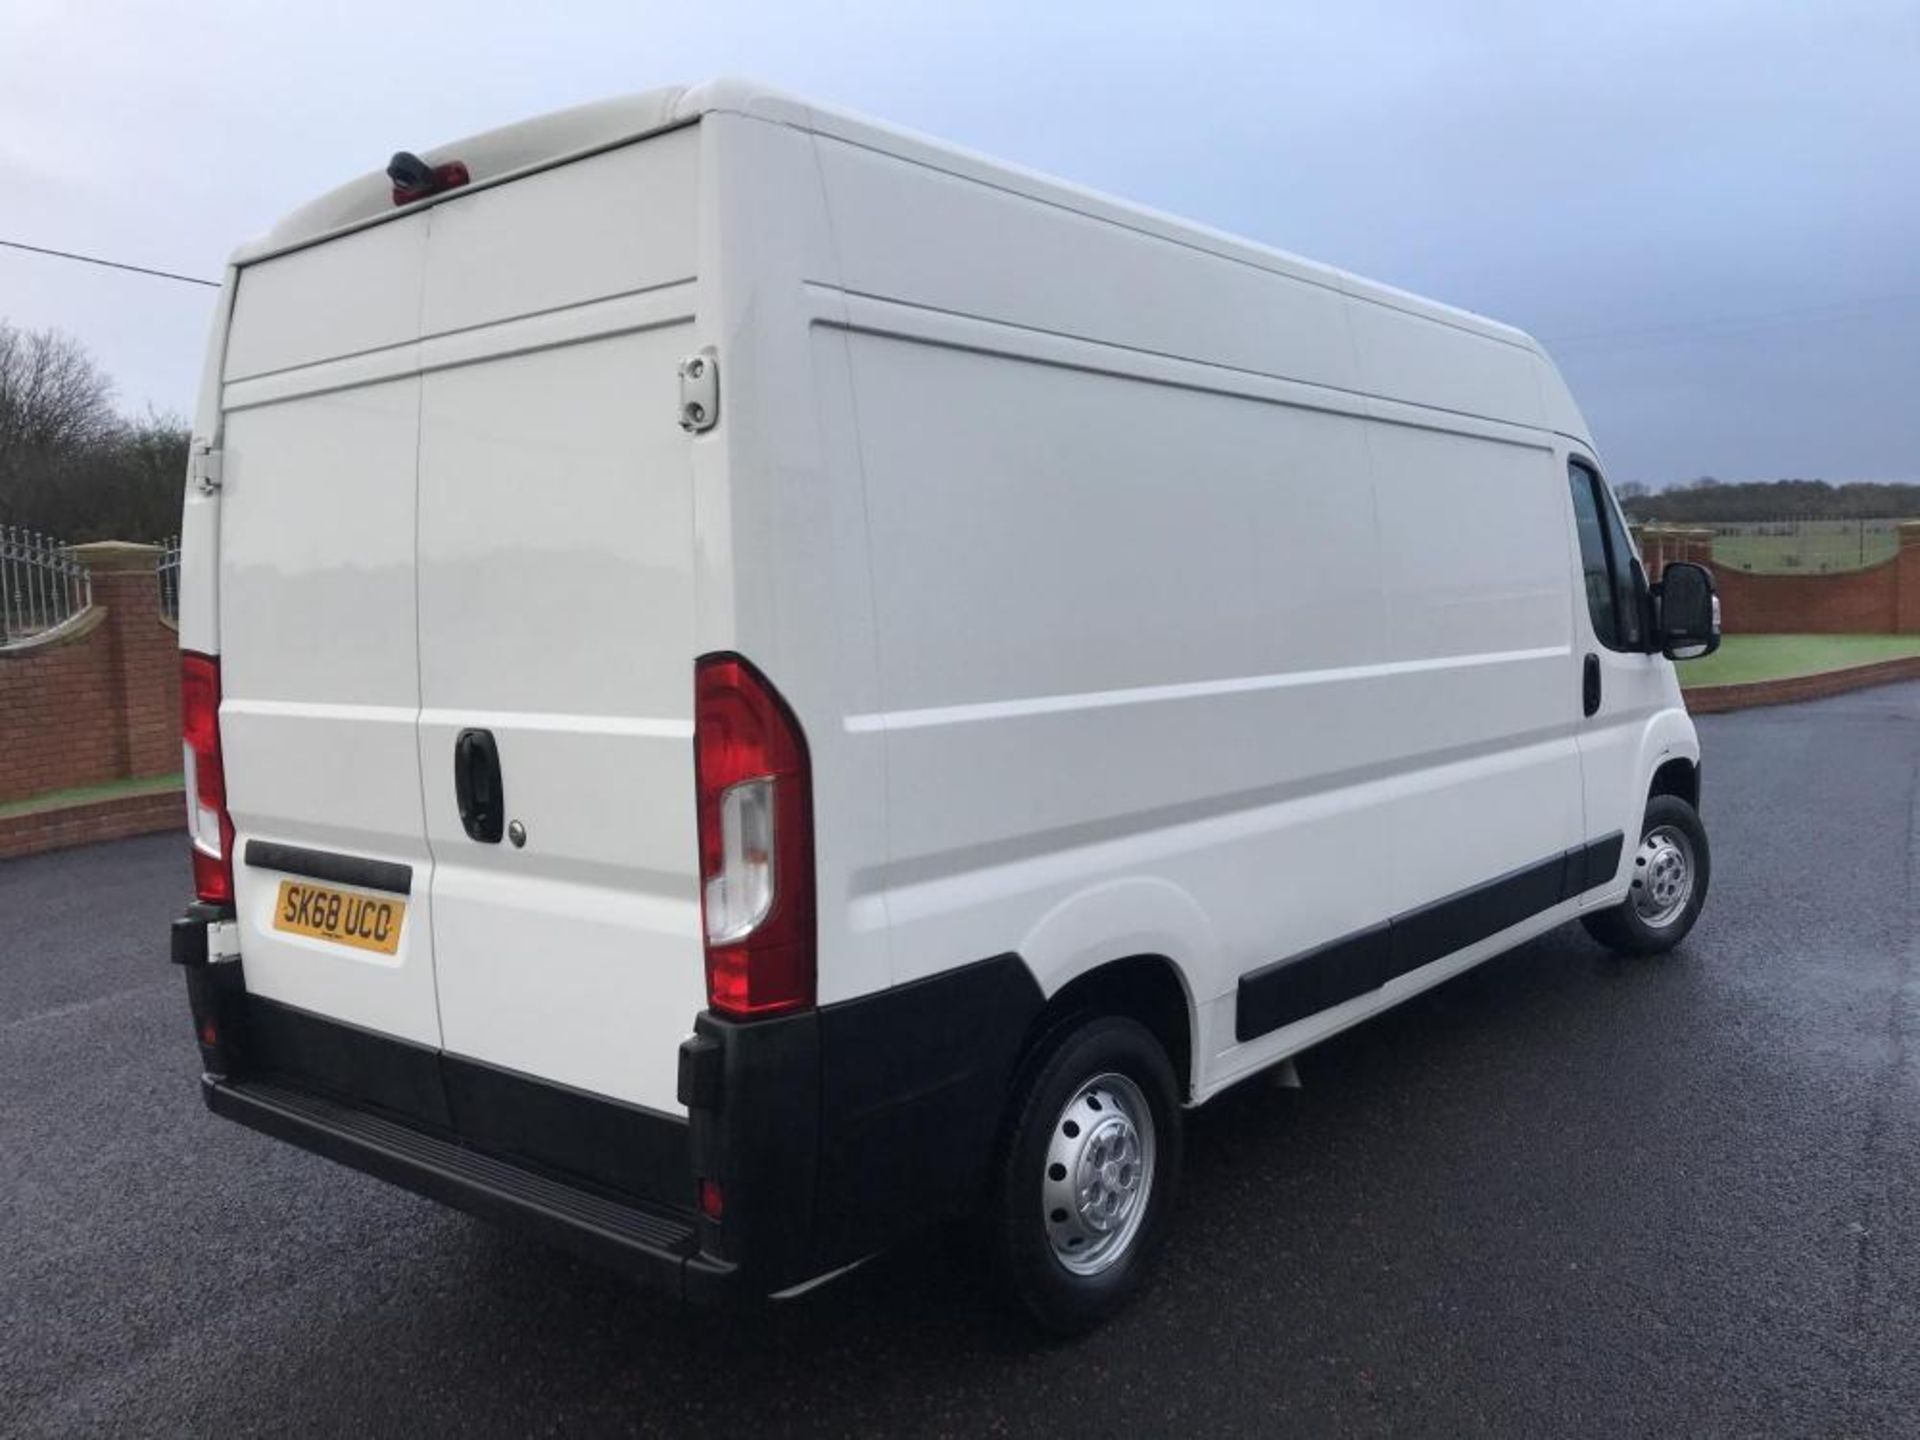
point(476, 785)
point(1589, 686)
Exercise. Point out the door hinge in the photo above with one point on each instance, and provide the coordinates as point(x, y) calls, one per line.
point(699, 391)
point(203, 468)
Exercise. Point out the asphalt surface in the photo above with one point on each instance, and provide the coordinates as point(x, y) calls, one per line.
point(1564, 1194)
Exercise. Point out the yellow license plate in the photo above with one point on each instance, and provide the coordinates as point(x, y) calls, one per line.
point(366, 922)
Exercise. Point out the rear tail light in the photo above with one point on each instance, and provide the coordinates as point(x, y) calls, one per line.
point(755, 795)
point(206, 780)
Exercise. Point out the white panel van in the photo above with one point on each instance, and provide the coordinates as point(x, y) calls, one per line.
point(754, 682)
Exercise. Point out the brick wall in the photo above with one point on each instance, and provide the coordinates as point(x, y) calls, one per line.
point(1852, 602)
point(101, 702)
point(113, 819)
point(1881, 599)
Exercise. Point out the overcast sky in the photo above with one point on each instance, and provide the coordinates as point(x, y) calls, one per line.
point(1710, 211)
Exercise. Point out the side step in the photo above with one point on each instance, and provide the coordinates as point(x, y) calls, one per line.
point(656, 1244)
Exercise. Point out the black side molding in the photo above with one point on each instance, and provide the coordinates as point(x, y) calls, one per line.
point(1343, 969)
point(329, 865)
point(1602, 863)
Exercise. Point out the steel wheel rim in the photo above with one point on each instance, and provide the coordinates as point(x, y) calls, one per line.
point(1663, 873)
point(1098, 1175)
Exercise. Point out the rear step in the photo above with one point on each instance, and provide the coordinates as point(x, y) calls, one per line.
point(658, 1245)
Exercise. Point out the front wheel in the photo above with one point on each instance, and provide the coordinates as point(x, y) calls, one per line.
point(1087, 1173)
point(1671, 868)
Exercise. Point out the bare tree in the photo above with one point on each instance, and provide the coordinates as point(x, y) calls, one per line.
point(54, 401)
point(136, 482)
point(69, 465)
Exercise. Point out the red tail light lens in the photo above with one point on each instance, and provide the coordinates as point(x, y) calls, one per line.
point(755, 794)
point(206, 779)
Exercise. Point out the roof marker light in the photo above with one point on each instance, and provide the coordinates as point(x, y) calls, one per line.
point(413, 179)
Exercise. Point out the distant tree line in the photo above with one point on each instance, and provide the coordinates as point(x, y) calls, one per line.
point(71, 465)
point(1707, 501)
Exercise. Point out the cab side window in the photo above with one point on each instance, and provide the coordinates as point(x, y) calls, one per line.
point(1620, 556)
point(1606, 561)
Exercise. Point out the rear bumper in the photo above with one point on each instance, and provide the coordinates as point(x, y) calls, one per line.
point(826, 1134)
point(653, 1243)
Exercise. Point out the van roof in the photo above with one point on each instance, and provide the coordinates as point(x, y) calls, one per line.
point(493, 156)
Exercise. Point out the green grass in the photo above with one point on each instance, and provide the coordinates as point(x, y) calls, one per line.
point(1744, 658)
point(80, 794)
point(1815, 549)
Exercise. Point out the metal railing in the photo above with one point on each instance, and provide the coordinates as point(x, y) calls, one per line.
point(167, 573)
point(42, 586)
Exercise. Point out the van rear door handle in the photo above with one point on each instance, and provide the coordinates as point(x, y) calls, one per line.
point(1589, 685)
point(476, 785)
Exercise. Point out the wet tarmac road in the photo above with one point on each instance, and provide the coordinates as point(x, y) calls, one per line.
point(1564, 1194)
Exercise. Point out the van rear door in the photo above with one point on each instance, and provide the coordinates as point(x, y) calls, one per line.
point(556, 588)
point(318, 632)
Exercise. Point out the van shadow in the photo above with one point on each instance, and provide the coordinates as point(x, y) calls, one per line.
point(1293, 1198)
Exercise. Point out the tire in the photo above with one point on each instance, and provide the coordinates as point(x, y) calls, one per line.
point(1099, 1105)
point(1673, 851)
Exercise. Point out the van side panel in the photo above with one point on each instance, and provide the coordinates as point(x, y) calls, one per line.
point(1474, 561)
point(780, 514)
point(1423, 361)
point(1090, 661)
point(1169, 617)
point(910, 233)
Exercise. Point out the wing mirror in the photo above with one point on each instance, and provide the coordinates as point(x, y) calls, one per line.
point(1686, 610)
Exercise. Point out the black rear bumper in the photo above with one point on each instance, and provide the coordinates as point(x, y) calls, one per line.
point(655, 1244)
point(826, 1135)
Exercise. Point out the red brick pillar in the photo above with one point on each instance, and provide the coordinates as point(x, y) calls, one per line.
point(145, 654)
point(1697, 546)
point(1906, 580)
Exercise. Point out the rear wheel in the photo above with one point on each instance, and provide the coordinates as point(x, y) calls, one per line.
point(1087, 1173)
point(1671, 868)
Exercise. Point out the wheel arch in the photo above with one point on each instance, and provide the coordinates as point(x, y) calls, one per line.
point(1146, 988)
point(1132, 946)
point(1670, 757)
point(1678, 777)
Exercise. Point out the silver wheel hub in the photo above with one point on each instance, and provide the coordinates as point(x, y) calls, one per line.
point(1662, 876)
point(1098, 1175)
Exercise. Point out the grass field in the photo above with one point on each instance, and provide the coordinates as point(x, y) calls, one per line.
point(1743, 658)
point(1808, 547)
